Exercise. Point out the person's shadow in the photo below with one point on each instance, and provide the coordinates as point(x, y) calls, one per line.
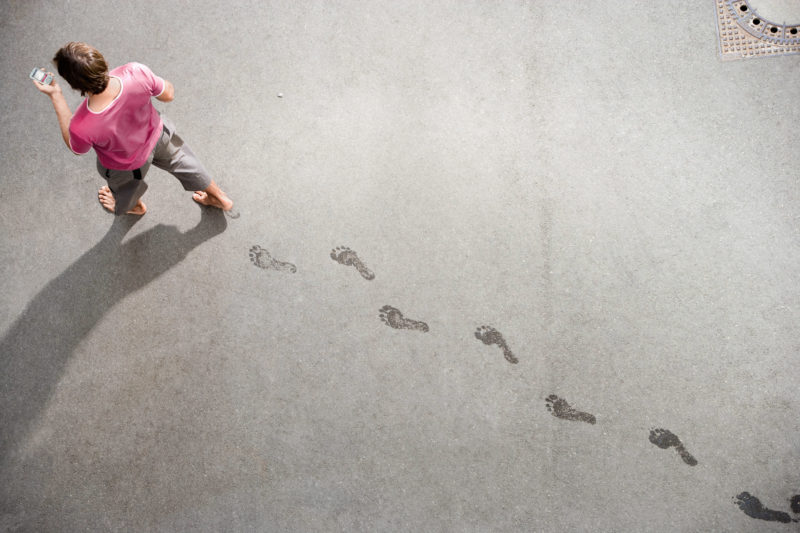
point(37, 347)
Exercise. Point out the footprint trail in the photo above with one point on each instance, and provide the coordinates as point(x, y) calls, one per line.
point(488, 336)
point(392, 317)
point(752, 506)
point(559, 408)
point(664, 438)
point(262, 259)
point(345, 256)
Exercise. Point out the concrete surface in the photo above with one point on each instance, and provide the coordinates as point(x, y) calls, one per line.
point(588, 178)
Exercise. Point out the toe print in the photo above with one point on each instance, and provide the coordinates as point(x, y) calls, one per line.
point(345, 256)
point(392, 317)
point(262, 259)
point(559, 408)
point(751, 506)
point(488, 336)
point(664, 438)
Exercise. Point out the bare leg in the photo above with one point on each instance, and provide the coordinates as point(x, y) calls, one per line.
point(106, 198)
point(213, 196)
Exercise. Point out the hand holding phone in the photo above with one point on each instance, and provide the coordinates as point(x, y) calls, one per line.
point(41, 76)
point(45, 82)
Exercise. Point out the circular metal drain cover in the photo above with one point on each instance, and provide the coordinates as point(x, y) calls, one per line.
point(744, 32)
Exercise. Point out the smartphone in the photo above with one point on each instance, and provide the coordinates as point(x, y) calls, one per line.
point(41, 76)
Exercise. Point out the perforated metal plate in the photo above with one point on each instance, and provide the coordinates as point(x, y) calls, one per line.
point(743, 33)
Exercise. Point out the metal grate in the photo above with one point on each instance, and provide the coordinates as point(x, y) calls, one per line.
point(743, 33)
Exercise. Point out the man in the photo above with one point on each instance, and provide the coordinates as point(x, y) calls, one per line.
point(119, 121)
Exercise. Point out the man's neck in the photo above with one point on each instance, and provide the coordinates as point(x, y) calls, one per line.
point(99, 101)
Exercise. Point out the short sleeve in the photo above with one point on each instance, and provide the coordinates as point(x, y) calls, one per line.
point(77, 144)
point(155, 85)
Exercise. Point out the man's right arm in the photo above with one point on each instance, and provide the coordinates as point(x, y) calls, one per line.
point(60, 105)
point(168, 94)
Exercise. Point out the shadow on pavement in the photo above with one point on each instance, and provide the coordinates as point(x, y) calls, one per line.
point(37, 347)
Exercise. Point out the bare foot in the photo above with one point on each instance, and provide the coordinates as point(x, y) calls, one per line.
point(221, 201)
point(107, 200)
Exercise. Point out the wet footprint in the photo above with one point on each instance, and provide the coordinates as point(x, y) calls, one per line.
point(559, 408)
point(488, 336)
point(394, 318)
point(232, 214)
point(751, 506)
point(795, 503)
point(345, 256)
point(664, 438)
point(261, 258)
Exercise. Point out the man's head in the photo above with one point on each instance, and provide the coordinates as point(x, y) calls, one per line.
point(83, 67)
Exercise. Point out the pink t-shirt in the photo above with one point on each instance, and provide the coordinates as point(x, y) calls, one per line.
point(126, 131)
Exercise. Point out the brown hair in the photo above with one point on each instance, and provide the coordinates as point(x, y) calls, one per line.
point(83, 67)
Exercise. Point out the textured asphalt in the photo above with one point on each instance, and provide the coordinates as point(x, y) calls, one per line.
point(499, 266)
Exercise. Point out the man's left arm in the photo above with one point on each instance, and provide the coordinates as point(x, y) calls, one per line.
point(168, 94)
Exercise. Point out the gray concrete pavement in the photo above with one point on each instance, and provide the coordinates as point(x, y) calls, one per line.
point(588, 179)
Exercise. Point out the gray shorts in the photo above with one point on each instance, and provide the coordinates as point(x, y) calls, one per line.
point(170, 154)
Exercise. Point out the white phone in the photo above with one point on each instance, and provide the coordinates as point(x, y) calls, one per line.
point(41, 76)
